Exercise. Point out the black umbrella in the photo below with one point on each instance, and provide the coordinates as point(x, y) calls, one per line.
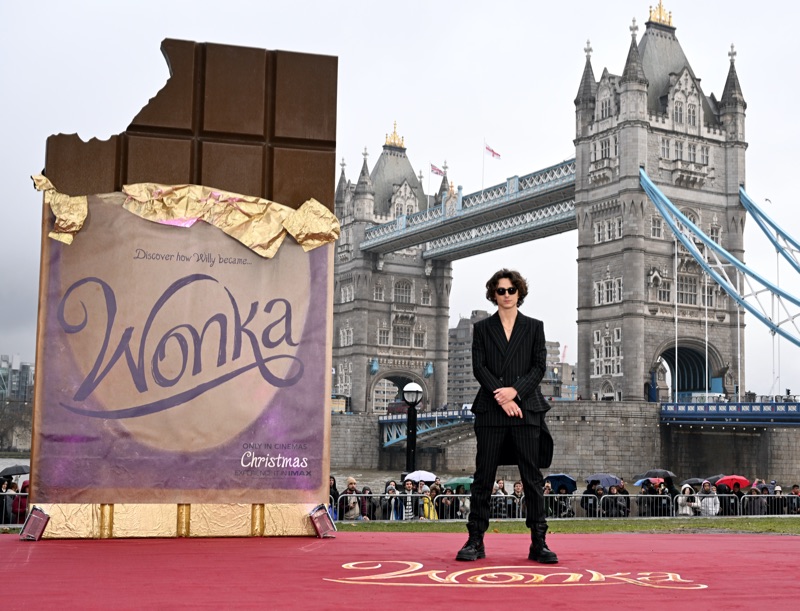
point(662, 473)
point(606, 479)
point(562, 479)
point(714, 479)
point(15, 470)
point(692, 481)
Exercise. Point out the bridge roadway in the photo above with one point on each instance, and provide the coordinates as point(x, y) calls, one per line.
point(441, 428)
point(519, 210)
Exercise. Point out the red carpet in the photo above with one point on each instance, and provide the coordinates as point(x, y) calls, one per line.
point(696, 571)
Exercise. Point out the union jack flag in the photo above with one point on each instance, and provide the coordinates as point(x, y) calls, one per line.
point(437, 171)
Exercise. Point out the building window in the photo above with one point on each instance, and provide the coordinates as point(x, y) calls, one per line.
point(398, 210)
point(655, 227)
point(678, 150)
point(402, 292)
point(609, 292)
point(713, 233)
point(617, 334)
point(605, 108)
point(619, 226)
point(401, 335)
point(618, 290)
point(383, 337)
point(665, 291)
point(597, 337)
point(704, 155)
point(426, 297)
point(409, 209)
point(419, 339)
point(693, 153)
point(691, 114)
point(598, 233)
point(616, 147)
point(348, 293)
point(665, 148)
point(678, 114)
point(708, 296)
point(610, 230)
point(377, 292)
point(687, 290)
point(605, 149)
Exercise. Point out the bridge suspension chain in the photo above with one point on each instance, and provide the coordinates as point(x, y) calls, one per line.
point(728, 271)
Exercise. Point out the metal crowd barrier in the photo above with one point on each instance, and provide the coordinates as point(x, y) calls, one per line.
point(456, 507)
point(13, 509)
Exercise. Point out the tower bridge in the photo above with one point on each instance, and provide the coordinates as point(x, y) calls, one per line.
point(646, 310)
point(534, 206)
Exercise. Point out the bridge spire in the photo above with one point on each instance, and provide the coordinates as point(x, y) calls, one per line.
point(587, 92)
point(634, 72)
point(732, 92)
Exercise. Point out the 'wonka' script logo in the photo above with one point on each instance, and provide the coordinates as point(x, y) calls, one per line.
point(262, 340)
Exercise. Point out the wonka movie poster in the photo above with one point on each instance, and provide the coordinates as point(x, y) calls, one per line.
point(183, 348)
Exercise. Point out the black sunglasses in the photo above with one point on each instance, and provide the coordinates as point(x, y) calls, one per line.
point(502, 291)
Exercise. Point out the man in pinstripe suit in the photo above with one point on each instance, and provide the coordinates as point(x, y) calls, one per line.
point(509, 359)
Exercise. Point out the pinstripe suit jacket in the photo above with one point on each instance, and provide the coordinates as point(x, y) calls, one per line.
point(520, 362)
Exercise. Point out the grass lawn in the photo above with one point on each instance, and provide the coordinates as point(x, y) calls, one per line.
point(789, 525)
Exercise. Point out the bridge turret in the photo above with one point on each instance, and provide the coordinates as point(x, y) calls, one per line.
point(632, 122)
point(364, 197)
point(586, 98)
point(732, 116)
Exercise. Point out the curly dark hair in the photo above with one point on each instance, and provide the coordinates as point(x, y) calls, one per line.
point(516, 279)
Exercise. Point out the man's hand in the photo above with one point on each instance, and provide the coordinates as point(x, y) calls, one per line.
point(505, 398)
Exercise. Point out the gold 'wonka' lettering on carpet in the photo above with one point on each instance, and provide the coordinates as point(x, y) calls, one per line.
point(412, 574)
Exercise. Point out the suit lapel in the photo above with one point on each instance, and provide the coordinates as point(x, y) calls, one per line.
point(518, 337)
point(497, 333)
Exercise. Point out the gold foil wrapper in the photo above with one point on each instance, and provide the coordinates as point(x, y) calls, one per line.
point(127, 520)
point(70, 211)
point(145, 521)
point(312, 225)
point(259, 224)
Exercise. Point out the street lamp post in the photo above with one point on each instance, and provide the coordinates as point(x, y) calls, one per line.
point(412, 395)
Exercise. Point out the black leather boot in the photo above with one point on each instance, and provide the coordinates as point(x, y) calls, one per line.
point(473, 548)
point(539, 551)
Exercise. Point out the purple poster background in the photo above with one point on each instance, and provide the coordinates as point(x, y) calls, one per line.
point(178, 366)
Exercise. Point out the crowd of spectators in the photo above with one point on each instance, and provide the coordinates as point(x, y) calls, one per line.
point(434, 501)
point(13, 502)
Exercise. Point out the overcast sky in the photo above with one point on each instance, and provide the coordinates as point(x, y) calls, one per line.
point(450, 73)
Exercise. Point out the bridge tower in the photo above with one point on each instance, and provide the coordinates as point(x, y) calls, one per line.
point(634, 282)
point(391, 311)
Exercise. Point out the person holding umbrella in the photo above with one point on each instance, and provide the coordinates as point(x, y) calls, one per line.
point(509, 360)
point(6, 500)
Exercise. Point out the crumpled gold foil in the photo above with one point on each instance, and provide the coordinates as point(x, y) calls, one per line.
point(70, 211)
point(259, 224)
point(118, 521)
point(312, 225)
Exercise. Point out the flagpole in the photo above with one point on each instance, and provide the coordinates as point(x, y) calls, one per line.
point(483, 164)
point(430, 167)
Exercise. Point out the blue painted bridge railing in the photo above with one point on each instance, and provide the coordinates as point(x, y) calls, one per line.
point(735, 414)
point(393, 427)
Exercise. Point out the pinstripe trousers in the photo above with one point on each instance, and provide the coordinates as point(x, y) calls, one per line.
point(491, 441)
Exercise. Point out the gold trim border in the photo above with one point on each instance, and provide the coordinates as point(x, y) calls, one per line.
point(128, 520)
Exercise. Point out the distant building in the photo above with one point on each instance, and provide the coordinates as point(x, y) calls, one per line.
point(461, 384)
point(16, 379)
